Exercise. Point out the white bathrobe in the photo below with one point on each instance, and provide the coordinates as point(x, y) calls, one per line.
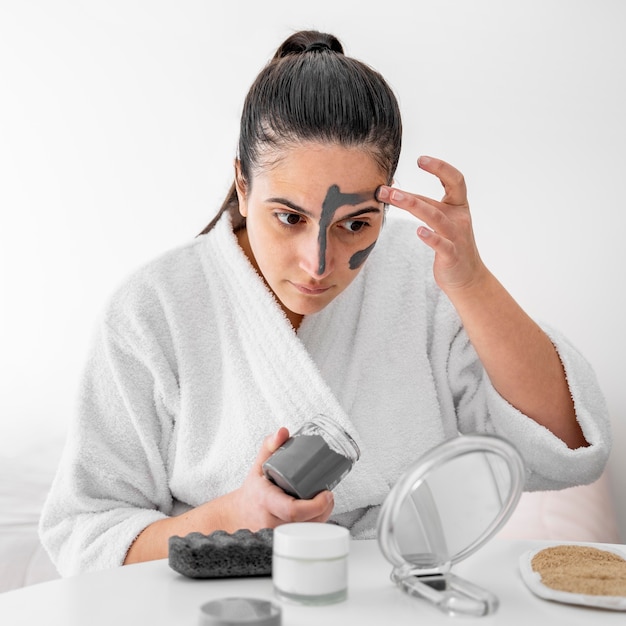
point(194, 363)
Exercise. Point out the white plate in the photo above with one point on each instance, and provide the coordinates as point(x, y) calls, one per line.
point(533, 582)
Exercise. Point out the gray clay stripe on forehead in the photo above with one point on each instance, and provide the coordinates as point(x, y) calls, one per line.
point(333, 200)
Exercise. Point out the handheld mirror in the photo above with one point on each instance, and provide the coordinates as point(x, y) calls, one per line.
point(442, 509)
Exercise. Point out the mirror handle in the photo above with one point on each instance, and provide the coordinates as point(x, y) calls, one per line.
point(451, 594)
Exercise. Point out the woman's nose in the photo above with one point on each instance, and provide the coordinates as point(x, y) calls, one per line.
point(315, 257)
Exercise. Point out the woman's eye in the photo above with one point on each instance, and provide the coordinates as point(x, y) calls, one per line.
point(354, 226)
point(288, 219)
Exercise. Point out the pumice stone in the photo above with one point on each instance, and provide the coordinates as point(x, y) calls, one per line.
point(222, 554)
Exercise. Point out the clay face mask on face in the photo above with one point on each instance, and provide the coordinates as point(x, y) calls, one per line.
point(358, 258)
point(334, 200)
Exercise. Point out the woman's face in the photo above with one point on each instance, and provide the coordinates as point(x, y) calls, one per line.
point(311, 220)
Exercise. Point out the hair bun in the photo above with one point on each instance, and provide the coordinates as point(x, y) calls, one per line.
point(317, 46)
point(308, 41)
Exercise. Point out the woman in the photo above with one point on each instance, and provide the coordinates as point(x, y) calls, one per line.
point(301, 297)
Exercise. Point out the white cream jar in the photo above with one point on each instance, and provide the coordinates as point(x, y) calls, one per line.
point(310, 563)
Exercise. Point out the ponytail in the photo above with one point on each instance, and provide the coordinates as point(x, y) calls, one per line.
point(231, 205)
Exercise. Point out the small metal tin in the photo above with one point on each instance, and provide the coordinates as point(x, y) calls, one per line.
point(237, 611)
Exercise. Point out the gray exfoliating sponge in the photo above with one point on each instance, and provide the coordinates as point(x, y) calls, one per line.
point(222, 555)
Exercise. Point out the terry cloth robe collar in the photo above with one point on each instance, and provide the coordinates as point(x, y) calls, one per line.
point(289, 380)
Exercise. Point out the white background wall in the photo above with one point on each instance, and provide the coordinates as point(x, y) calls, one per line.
point(118, 125)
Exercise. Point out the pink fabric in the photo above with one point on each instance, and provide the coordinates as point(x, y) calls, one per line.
point(584, 513)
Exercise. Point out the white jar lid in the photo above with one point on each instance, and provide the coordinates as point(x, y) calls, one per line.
point(311, 540)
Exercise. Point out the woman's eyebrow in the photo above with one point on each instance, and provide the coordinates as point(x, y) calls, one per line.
point(369, 209)
point(299, 209)
point(290, 205)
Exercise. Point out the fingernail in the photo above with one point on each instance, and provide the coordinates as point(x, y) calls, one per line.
point(423, 160)
point(397, 195)
point(382, 193)
point(329, 497)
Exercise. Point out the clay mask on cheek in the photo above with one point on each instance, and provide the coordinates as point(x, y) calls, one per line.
point(358, 258)
point(333, 200)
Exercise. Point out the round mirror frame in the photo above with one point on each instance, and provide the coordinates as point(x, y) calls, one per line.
point(417, 473)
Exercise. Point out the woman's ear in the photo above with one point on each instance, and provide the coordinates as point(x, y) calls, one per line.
point(242, 189)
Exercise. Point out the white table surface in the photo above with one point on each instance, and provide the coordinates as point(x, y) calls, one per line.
point(152, 593)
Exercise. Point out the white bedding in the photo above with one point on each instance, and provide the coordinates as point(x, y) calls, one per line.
point(26, 469)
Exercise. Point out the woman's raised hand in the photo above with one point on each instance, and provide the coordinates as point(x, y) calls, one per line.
point(448, 229)
point(519, 358)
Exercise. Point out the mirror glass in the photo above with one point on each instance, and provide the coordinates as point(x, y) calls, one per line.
point(445, 507)
point(447, 511)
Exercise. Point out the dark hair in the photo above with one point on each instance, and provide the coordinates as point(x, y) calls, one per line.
point(311, 91)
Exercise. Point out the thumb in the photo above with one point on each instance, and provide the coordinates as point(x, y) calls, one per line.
point(270, 444)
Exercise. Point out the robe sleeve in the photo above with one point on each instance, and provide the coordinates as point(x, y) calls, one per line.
point(112, 479)
point(479, 408)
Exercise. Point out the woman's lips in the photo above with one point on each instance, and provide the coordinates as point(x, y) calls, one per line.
point(310, 290)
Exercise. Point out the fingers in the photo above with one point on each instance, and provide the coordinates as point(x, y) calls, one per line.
point(447, 228)
point(453, 183)
point(273, 442)
point(270, 444)
point(287, 509)
point(280, 507)
point(452, 180)
point(435, 241)
point(446, 219)
point(328, 510)
point(428, 211)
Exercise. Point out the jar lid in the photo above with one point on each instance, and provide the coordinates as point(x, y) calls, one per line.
point(311, 540)
point(232, 611)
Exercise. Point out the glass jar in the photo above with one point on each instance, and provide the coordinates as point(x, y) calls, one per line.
point(310, 563)
point(317, 457)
